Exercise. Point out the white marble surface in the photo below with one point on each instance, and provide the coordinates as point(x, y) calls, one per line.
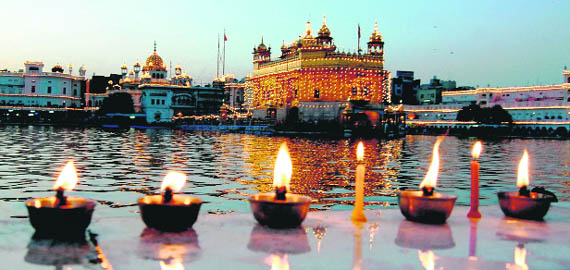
point(234, 241)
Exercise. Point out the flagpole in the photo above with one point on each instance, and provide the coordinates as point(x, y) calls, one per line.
point(358, 38)
point(218, 59)
point(224, 62)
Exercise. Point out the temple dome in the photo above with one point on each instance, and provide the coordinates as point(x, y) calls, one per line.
point(154, 60)
point(376, 36)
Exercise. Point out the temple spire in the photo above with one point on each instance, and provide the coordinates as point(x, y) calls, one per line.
point(324, 19)
point(155, 46)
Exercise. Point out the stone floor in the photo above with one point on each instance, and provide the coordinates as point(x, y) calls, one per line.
point(327, 240)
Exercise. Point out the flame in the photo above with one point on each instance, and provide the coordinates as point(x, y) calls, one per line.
point(283, 168)
point(279, 263)
point(171, 256)
point(67, 178)
point(427, 258)
point(431, 177)
point(477, 147)
point(174, 181)
point(360, 151)
point(522, 177)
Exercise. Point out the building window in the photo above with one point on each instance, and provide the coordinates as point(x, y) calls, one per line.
point(365, 91)
point(152, 101)
point(64, 91)
point(295, 92)
point(75, 92)
point(354, 91)
point(48, 103)
point(33, 88)
point(49, 81)
point(49, 90)
point(163, 102)
point(317, 93)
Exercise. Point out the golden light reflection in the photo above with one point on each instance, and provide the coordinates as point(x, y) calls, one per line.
point(322, 167)
point(278, 262)
point(430, 179)
point(67, 178)
point(173, 254)
point(283, 168)
point(522, 176)
point(519, 259)
point(319, 232)
point(477, 147)
point(427, 259)
point(173, 180)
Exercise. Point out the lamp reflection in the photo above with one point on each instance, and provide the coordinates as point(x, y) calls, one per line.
point(357, 256)
point(171, 249)
point(319, 232)
point(282, 241)
point(425, 238)
point(60, 254)
point(278, 261)
point(519, 259)
point(372, 229)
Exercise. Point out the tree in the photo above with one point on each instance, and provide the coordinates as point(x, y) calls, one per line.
point(494, 115)
point(117, 103)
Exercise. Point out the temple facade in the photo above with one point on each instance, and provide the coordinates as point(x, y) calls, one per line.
point(313, 76)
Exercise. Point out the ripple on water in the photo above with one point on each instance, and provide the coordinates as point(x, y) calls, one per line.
point(118, 167)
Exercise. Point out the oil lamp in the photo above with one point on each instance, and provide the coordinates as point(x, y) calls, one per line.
point(426, 205)
point(280, 209)
point(525, 204)
point(169, 212)
point(61, 216)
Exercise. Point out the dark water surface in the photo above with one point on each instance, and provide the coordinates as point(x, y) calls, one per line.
point(117, 167)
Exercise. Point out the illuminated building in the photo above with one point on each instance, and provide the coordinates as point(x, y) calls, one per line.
point(35, 89)
point(161, 97)
point(312, 75)
point(528, 105)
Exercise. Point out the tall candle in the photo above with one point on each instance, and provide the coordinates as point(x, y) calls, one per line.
point(474, 211)
point(358, 212)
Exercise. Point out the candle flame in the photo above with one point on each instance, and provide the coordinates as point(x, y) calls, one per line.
point(173, 180)
point(430, 179)
point(279, 263)
point(67, 178)
point(283, 168)
point(427, 258)
point(522, 177)
point(360, 151)
point(477, 147)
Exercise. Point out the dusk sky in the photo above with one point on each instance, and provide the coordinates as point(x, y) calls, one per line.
point(501, 43)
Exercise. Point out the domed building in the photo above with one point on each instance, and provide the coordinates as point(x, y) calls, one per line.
point(314, 77)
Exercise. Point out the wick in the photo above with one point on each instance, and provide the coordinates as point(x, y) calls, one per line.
point(523, 191)
point(280, 193)
point(60, 197)
point(428, 191)
point(167, 196)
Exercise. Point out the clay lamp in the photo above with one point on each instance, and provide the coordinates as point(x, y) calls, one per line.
point(280, 209)
point(426, 205)
point(61, 216)
point(169, 212)
point(525, 204)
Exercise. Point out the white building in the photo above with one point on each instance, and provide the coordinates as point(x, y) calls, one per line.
point(32, 88)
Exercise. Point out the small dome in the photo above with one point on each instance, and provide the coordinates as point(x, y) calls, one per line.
point(376, 36)
point(137, 64)
point(261, 47)
point(57, 68)
point(178, 67)
point(324, 31)
point(82, 68)
point(131, 73)
point(124, 66)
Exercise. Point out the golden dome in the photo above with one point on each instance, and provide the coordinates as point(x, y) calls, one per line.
point(137, 64)
point(376, 36)
point(154, 60)
point(324, 31)
point(124, 66)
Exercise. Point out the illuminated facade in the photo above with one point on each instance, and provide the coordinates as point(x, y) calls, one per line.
point(35, 89)
point(310, 71)
point(529, 105)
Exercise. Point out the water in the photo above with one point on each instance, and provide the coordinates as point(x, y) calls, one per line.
point(117, 167)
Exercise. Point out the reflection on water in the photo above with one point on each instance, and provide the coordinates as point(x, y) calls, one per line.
point(117, 167)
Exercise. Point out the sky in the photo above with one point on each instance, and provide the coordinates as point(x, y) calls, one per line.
point(476, 43)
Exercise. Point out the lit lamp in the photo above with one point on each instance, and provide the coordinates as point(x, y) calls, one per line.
point(524, 203)
point(426, 205)
point(61, 216)
point(280, 209)
point(169, 212)
point(358, 211)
